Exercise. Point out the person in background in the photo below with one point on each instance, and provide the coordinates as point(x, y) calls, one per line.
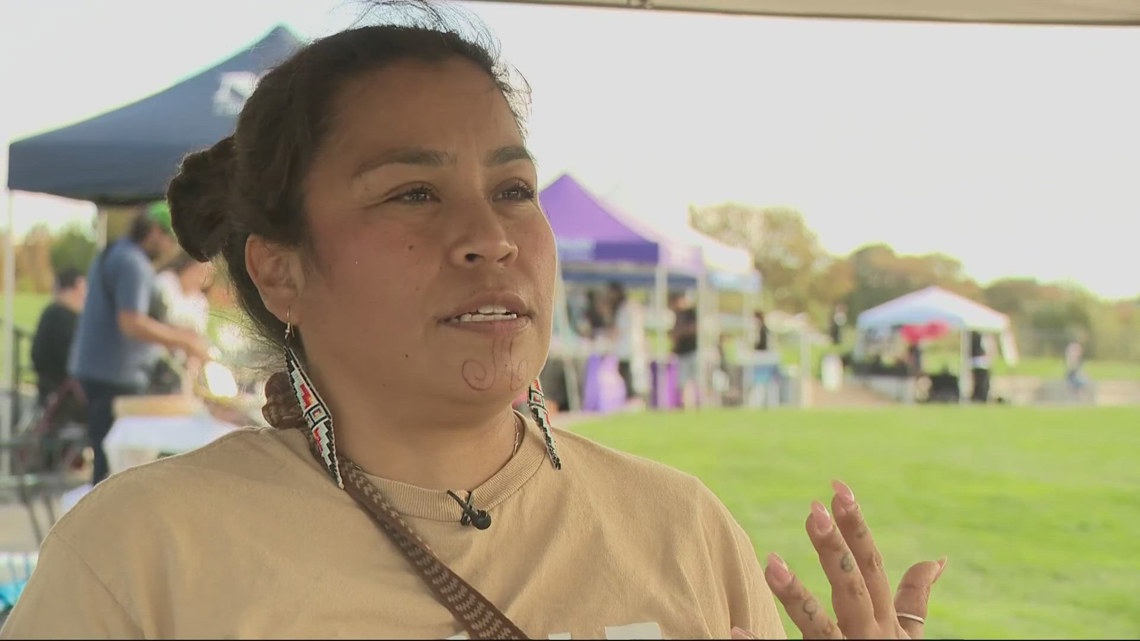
point(721, 378)
point(627, 336)
point(55, 333)
point(1074, 362)
point(761, 332)
point(597, 314)
point(838, 322)
point(183, 284)
point(684, 335)
point(914, 358)
point(980, 363)
point(118, 342)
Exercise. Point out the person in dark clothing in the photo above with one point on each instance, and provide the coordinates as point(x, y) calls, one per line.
point(684, 337)
point(621, 326)
point(596, 313)
point(761, 332)
point(914, 358)
point(55, 332)
point(838, 322)
point(980, 368)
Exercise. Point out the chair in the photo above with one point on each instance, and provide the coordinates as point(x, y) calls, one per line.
point(46, 452)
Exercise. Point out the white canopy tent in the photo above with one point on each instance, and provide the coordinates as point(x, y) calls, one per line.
point(934, 304)
point(937, 305)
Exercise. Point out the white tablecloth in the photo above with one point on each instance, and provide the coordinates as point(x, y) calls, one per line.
point(134, 440)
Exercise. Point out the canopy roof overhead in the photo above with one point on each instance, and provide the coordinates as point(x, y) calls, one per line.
point(128, 155)
point(1057, 12)
point(933, 304)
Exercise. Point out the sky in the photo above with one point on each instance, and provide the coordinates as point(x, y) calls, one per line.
point(1014, 149)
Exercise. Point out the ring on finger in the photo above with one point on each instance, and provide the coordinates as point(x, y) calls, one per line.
point(912, 617)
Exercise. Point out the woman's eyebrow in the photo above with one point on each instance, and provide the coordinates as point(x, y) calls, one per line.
point(434, 158)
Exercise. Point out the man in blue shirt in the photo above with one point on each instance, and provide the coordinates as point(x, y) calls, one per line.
point(120, 334)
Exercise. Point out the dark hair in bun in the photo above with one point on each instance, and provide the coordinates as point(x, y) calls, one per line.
point(202, 190)
point(251, 182)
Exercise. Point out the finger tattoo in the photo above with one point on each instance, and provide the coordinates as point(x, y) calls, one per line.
point(811, 606)
point(847, 564)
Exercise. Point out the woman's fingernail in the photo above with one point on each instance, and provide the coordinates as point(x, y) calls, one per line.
point(778, 570)
point(740, 633)
point(820, 519)
point(846, 496)
point(941, 567)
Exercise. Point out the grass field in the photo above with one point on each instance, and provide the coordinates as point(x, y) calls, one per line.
point(28, 308)
point(1038, 510)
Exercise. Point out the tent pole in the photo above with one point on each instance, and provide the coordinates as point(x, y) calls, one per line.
point(562, 320)
point(707, 325)
point(661, 350)
point(964, 363)
point(9, 370)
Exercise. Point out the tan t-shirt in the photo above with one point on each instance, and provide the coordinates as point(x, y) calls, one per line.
point(248, 538)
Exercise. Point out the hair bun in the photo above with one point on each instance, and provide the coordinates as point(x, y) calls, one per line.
point(199, 198)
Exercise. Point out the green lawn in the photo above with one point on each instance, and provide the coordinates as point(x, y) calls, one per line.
point(28, 308)
point(1037, 509)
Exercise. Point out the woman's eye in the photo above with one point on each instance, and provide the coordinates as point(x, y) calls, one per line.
point(421, 194)
point(518, 192)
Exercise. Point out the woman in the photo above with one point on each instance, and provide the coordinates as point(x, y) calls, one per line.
point(183, 284)
point(377, 211)
point(627, 338)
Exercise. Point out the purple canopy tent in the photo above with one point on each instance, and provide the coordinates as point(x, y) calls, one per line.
point(596, 240)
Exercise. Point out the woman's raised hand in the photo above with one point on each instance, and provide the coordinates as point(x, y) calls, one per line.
point(861, 595)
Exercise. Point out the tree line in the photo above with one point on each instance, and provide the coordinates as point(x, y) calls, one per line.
point(801, 277)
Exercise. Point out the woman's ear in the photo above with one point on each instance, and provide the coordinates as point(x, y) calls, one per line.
point(277, 272)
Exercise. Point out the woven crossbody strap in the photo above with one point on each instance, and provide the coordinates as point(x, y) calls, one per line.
point(478, 616)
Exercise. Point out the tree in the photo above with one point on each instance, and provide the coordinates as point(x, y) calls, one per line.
point(72, 248)
point(33, 261)
point(880, 275)
point(786, 252)
point(877, 277)
point(1012, 296)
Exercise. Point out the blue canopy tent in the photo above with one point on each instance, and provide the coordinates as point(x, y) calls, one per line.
point(128, 155)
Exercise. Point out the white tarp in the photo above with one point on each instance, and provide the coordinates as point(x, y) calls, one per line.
point(934, 304)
